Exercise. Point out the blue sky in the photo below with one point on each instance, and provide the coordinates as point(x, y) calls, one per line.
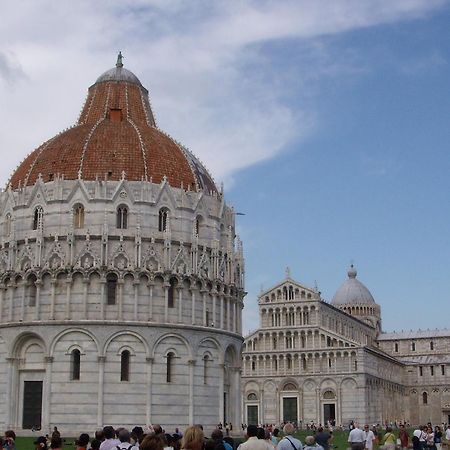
point(328, 122)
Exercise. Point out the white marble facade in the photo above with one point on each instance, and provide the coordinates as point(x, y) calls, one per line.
point(314, 361)
point(121, 277)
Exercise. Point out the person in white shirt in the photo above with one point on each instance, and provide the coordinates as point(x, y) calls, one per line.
point(447, 434)
point(369, 436)
point(357, 438)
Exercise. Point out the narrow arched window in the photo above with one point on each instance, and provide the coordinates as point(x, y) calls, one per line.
point(125, 366)
point(425, 398)
point(431, 345)
point(122, 217)
point(7, 225)
point(111, 288)
point(163, 216)
point(169, 367)
point(205, 369)
point(38, 218)
point(78, 216)
point(32, 290)
point(75, 363)
point(171, 293)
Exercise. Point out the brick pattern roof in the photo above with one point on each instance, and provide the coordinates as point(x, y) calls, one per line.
point(106, 143)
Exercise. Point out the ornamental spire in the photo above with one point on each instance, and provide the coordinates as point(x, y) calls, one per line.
point(119, 62)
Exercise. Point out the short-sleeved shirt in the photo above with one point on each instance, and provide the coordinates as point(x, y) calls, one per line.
point(370, 437)
point(356, 435)
point(288, 443)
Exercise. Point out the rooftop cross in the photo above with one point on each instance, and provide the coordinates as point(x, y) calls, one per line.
point(119, 62)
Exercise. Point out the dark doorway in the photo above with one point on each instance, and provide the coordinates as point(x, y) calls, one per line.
point(329, 412)
point(290, 409)
point(252, 414)
point(32, 405)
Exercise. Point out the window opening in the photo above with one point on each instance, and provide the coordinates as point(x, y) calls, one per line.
point(125, 366)
point(111, 288)
point(122, 217)
point(75, 361)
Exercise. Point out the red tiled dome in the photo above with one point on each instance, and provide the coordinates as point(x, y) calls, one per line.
point(115, 136)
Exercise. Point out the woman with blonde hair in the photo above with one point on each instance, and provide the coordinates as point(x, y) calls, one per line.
point(193, 439)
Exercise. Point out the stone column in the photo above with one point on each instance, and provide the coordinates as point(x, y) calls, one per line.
point(47, 393)
point(261, 406)
point(38, 298)
point(120, 284)
point(237, 397)
point(221, 391)
point(68, 292)
point(221, 311)
point(53, 297)
point(85, 297)
point(22, 301)
point(11, 289)
point(100, 397)
point(180, 304)
point(193, 305)
point(166, 302)
point(2, 293)
point(191, 363)
point(9, 398)
point(136, 299)
point(149, 390)
point(228, 301)
point(102, 297)
point(214, 317)
point(204, 308)
point(318, 405)
point(150, 304)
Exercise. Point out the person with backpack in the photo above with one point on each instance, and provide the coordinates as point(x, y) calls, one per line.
point(289, 442)
point(125, 442)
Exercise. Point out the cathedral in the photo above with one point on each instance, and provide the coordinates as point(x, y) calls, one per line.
point(121, 277)
point(314, 361)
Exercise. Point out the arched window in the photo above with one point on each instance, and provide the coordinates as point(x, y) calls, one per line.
point(111, 288)
point(431, 345)
point(78, 216)
point(122, 217)
point(75, 361)
point(169, 367)
point(425, 398)
point(205, 369)
point(125, 366)
point(289, 362)
point(171, 293)
point(38, 218)
point(413, 346)
point(396, 347)
point(7, 225)
point(163, 219)
point(31, 290)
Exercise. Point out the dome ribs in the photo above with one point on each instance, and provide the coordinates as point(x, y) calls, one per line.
point(86, 142)
point(143, 150)
point(115, 134)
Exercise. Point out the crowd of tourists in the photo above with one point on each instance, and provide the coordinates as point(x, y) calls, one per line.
point(427, 437)
point(424, 437)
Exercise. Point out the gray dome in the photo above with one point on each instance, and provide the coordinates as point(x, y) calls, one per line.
point(352, 291)
point(119, 74)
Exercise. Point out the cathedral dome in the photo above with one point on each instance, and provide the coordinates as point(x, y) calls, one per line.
point(352, 291)
point(115, 137)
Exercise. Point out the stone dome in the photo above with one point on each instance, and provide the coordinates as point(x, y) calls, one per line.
point(352, 291)
point(115, 138)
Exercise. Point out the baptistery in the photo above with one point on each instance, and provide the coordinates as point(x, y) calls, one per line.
point(121, 277)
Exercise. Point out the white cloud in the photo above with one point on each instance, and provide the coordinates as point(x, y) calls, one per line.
point(213, 83)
